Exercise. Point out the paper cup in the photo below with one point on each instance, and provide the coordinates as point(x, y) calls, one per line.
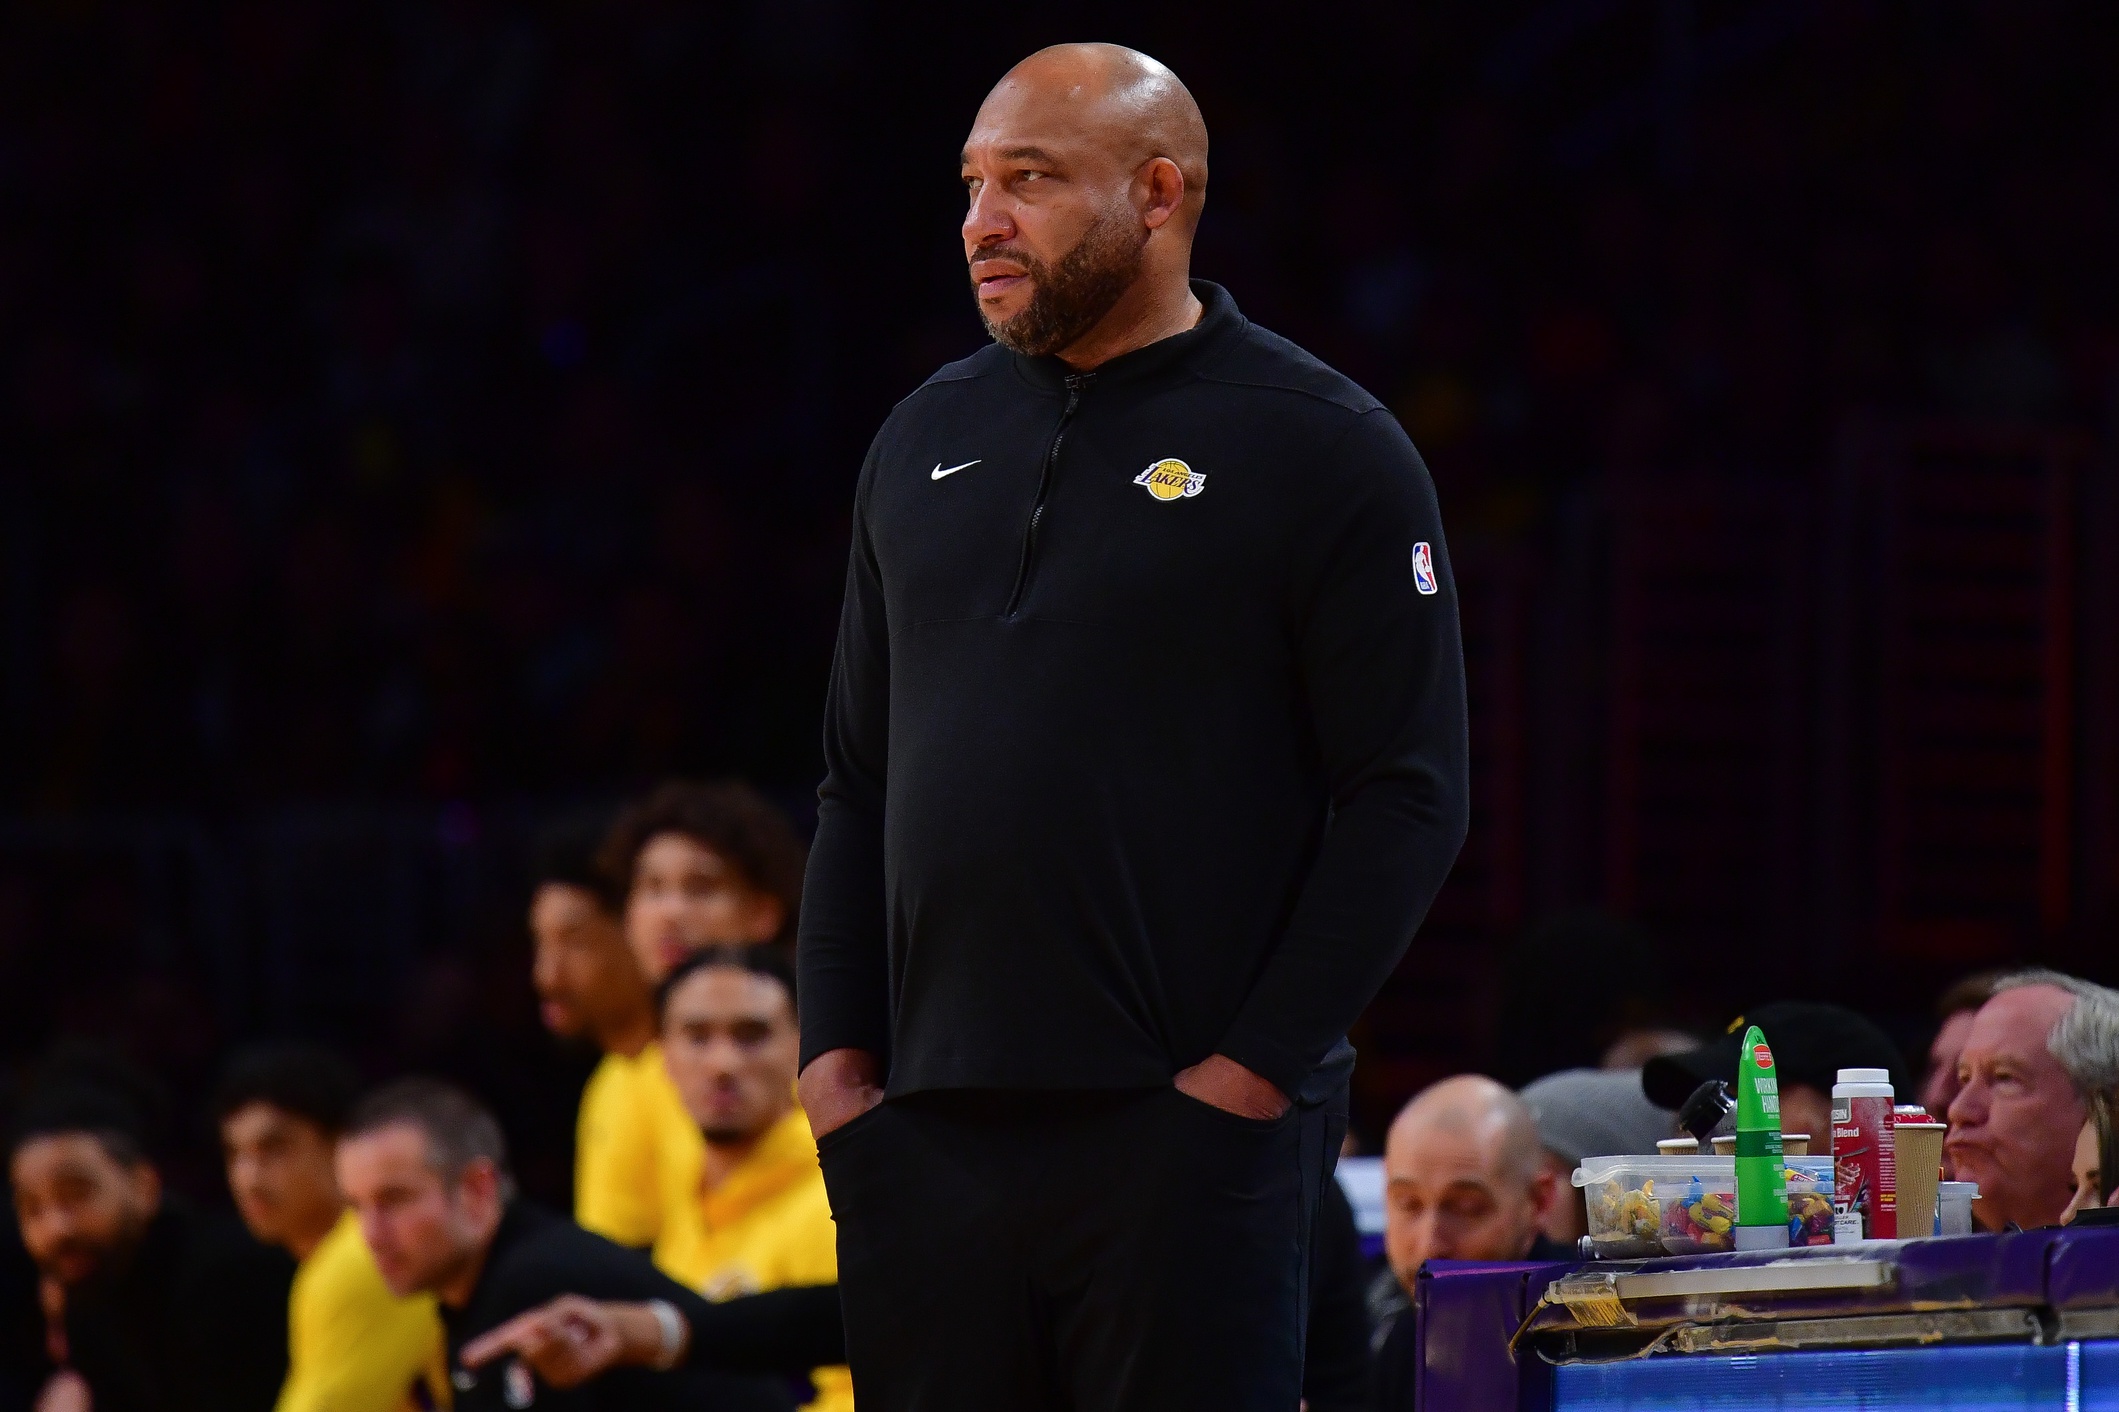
point(1919, 1153)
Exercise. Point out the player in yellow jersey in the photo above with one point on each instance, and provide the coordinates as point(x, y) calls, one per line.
point(352, 1346)
point(759, 1219)
point(635, 1148)
point(696, 865)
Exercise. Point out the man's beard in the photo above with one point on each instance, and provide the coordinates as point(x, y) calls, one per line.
point(1071, 297)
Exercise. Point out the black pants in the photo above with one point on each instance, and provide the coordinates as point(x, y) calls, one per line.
point(1128, 1251)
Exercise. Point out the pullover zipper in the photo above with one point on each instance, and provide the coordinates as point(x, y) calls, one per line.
point(1076, 384)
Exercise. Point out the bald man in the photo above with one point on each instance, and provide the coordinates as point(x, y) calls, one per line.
point(1146, 756)
point(1463, 1180)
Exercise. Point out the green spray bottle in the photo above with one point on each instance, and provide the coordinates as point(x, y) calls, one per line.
point(1761, 1186)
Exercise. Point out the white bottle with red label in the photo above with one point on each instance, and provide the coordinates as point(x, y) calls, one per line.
point(1864, 1154)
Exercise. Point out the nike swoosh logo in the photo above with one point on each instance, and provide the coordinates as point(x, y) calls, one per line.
point(937, 473)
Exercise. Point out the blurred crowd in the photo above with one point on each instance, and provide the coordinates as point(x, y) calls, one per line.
point(380, 1254)
point(442, 401)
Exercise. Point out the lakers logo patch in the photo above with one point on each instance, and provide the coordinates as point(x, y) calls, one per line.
point(1172, 480)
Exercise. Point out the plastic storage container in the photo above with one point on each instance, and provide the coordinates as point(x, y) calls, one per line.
point(1953, 1207)
point(1645, 1206)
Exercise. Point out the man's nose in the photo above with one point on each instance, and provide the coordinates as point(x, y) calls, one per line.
point(986, 222)
point(1969, 1108)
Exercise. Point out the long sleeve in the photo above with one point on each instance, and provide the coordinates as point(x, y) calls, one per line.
point(537, 1258)
point(841, 950)
point(786, 1331)
point(1383, 673)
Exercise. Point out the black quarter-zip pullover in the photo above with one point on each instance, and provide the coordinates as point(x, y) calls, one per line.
point(1145, 738)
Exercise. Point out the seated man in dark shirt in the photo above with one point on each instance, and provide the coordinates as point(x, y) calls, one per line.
point(425, 1169)
point(165, 1309)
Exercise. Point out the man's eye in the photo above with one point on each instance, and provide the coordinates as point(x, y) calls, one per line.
point(1028, 176)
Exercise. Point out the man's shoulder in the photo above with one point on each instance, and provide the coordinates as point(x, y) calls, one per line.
point(340, 1263)
point(612, 1076)
point(964, 388)
point(220, 1254)
point(1261, 359)
point(531, 1235)
point(622, 1082)
point(634, 1094)
point(989, 362)
point(541, 1255)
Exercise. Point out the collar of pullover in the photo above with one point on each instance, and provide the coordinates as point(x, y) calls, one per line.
point(1218, 322)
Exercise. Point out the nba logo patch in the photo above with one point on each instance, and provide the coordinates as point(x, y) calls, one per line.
point(1423, 568)
point(518, 1388)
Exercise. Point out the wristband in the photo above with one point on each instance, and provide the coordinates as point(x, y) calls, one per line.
point(673, 1329)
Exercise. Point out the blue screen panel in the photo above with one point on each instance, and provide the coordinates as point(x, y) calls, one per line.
point(2098, 1377)
point(1966, 1378)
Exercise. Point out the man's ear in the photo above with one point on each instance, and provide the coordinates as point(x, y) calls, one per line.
point(479, 1188)
point(1159, 188)
point(147, 1188)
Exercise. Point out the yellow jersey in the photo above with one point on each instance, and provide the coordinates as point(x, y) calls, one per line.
point(352, 1346)
point(765, 1226)
point(637, 1153)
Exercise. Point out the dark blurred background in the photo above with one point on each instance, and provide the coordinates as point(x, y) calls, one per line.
point(422, 418)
